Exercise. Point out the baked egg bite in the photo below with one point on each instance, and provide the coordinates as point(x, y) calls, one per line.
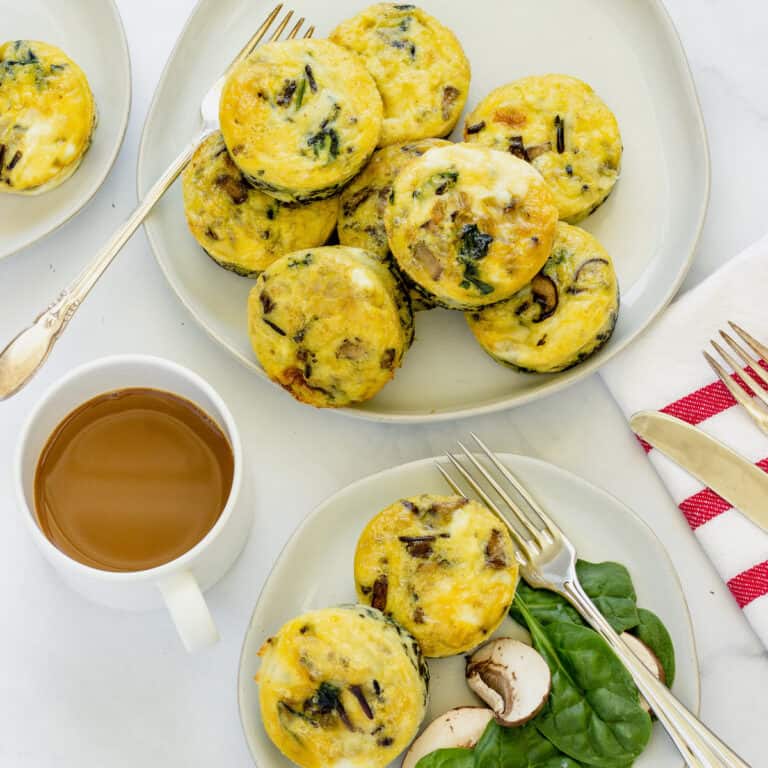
point(47, 117)
point(418, 65)
point(330, 325)
point(300, 118)
point(561, 126)
point(470, 225)
point(242, 228)
point(566, 314)
point(365, 199)
point(441, 566)
point(342, 687)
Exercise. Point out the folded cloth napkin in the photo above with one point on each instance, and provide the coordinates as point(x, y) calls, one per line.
point(664, 370)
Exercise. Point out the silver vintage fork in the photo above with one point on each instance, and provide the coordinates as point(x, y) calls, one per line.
point(548, 561)
point(754, 392)
point(21, 359)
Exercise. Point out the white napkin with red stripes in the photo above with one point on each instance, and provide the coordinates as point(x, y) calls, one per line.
point(664, 370)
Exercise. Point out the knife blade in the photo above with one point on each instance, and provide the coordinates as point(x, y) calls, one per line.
point(726, 472)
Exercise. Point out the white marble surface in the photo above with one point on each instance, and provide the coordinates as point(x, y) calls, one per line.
point(82, 686)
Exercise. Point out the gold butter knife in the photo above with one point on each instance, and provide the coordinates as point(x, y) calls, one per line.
point(726, 472)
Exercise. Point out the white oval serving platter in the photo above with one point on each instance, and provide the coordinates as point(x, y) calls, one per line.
point(91, 33)
point(629, 52)
point(315, 570)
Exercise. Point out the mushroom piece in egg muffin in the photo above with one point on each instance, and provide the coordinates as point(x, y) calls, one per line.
point(566, 314)
point(365, 199)
point(47, 117)
point(330, 325)
point(419, 67)
point(242, 228)
point(342, 687)
point(561, 126)
point(441, 566)
point(468, 225)
point(300, 118)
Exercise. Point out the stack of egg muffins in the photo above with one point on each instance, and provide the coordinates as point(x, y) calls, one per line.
point(347, 135)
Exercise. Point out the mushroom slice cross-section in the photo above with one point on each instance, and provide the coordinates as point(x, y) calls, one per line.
point(511, 678)
point(649, 659)
point(461, 727)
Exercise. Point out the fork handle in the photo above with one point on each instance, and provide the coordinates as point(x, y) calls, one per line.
point(700, 747)
point(24, 355)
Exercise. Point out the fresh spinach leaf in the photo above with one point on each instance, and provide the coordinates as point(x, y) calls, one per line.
point(609, 585)
point(522, 747)
point(545, 606)
point(448, 758)
point(593, 714)
point(654, 634)
point(611, 589)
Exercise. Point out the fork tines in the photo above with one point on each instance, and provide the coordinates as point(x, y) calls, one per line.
point(748, 381)
point(530, 527)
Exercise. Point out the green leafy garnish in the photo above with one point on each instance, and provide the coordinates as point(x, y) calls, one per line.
point(473, 246)
point(593, 714)
point(300, 92)
point(654, 634)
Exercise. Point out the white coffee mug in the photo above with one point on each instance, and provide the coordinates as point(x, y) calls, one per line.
point(180, 583)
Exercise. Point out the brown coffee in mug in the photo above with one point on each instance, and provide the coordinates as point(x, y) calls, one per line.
point(132, 479)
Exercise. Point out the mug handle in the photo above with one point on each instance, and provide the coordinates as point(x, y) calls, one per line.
point(186, 604)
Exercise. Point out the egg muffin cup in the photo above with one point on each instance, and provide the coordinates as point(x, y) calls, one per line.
point(242, 228)
point(441, 566)
point(47, 117)
point(342, 686)
point(365, 199)
point(418, 65)
point(330, 325)
point(561, 126)
point(469, 225)
point(300, 118)
point(565, 315)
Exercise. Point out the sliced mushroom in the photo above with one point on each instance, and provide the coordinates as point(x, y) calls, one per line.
point(650, 662)
point(457, 728)
point(511, 678)
point(545, 295)
point(424, 255)
point(538, 149)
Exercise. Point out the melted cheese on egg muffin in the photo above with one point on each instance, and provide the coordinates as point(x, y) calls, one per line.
point(470, 225)
point(419, 68)
point(242, 228)
point(300, 118)
point(47, 116)
point(566, 314)
point(342, 687)
point(441, 566)
point(365, 199)
point(330, 325)
point(561, 126)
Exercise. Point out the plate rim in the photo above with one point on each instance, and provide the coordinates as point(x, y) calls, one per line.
point(560, 381)
point(123, 129)
point(505, 456)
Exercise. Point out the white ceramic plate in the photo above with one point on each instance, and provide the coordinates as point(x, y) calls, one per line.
point(315, 571)
point(91, 33)
point(629, 51)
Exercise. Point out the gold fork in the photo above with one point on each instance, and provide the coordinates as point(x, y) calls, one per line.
point(548, 561)
point(21, 359)
point(754, 392)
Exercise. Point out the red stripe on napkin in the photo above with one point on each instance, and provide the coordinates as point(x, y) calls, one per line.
point(706, 402)
point(750, 584)
point(704, 505)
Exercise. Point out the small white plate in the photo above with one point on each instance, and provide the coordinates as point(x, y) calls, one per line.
point(315, 571)
point(91, 33)
point(628, 51)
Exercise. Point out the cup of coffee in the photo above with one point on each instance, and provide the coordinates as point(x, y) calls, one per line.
point(129, 474)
